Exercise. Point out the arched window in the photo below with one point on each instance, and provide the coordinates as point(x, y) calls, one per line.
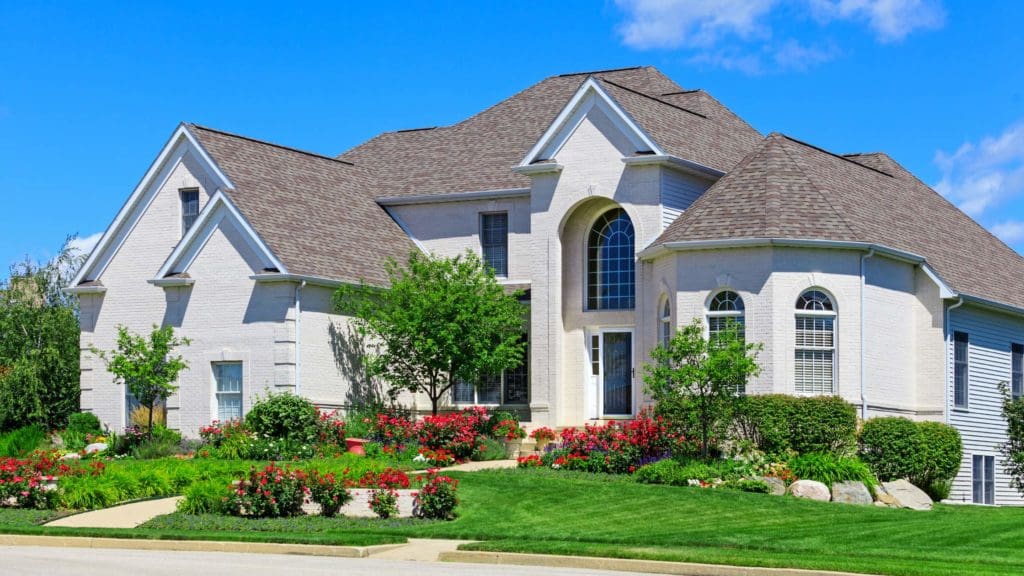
point(666, 324)
point(815, 343)
point(725, 311)
point(611, 276)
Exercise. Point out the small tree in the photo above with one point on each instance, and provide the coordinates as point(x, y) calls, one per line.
point(441, 321)
point(1012, 450)
point(697, 382)
point(145, 365)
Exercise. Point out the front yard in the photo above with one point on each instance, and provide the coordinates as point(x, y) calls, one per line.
point(588, 514)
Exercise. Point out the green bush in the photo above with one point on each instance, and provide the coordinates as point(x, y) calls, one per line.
point(84, 423)
point(284, 417)
point(829, 469)
point(778, 423)
point(205, 497)
point(675, 473)
point(661, 472)
point(489, 449)
point(22, 441)
point(746, 485)
point(926, 453)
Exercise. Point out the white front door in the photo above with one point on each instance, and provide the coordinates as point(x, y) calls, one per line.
point(611, 369)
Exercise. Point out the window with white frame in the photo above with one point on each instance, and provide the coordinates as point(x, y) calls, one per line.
point(666, 324)
point(494, 241)
point(726, 312)
point(1017, 370)
point(983, 479)
point(228, 394)
point(961, 349)
point(189, 208)
point(510, 387)
point(814, 367)
point(611, 263)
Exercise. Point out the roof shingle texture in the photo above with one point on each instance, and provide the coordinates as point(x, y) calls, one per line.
point(316, 213)
point(788, 189)
point(478, 153)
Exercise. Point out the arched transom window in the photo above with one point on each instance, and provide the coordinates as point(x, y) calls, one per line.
point(611, 277)
point(666, 324)
point(815, 343)
point(724, 312)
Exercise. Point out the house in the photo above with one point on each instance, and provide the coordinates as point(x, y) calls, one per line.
point(626, 206)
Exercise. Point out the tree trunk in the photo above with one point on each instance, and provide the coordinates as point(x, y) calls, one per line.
point(149, 430)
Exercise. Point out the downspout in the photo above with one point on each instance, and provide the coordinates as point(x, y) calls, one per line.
point(298, 337)
point(863, 283)
point(947, 352)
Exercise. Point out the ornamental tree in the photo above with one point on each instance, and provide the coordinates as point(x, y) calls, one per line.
point(697, 382)
point(146, 365)
point(1012, 450)
point(440, 321)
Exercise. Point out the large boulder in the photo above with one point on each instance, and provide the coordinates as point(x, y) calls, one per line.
point(851, 492)
point(906, 495)
point(811, 489)
point(95, 448)
point(776, 487)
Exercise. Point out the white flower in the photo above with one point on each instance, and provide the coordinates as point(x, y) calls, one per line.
point(420, 458)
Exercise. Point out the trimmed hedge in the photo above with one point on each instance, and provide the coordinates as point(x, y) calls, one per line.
point(777, 423)
point(926, 453)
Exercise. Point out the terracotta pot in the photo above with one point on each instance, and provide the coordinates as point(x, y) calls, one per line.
point(355, 446)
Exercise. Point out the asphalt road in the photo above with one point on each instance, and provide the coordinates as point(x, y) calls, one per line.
point(36, 561)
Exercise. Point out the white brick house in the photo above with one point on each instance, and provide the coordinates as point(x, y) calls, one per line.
point(625, 206)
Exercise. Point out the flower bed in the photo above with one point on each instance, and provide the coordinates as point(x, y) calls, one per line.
point(614, 447)
point(31, 482)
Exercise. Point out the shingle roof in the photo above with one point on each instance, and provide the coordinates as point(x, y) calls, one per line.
point(316, 213)
point(792, 190)
point(479, 152)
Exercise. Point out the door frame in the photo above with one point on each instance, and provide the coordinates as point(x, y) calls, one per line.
point(597, 382)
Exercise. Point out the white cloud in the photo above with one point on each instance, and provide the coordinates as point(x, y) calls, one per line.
point(738, 34)
point(84, 244)
point(891, 20)
point(980, 176)
point(1010, 231)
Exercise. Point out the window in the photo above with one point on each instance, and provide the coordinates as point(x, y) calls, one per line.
point(494, 241)
point(960, 349)
point(512, 386)
point(611, 271)
point(189, 208)
point(815, 343)
point(1017, 369)
point(666, 325)
point(983, 478)
point(228, 376)
point(726, 312)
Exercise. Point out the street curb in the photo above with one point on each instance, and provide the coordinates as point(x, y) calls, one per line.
point(195, 545)
point(626, 565)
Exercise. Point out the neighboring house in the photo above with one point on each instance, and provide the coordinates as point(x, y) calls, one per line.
point(625, 206)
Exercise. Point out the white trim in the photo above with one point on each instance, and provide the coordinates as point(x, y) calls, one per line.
point(132, 210)
point(534, 169)
point(313, 280)
point(172, 281)
point(454, 197)
point(553, 135)
point(401, 224)
point(84, 289)
point(216, 210)
point(600, 332)
point(676, 162)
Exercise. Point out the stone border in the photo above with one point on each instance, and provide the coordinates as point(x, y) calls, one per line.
point(626, 565)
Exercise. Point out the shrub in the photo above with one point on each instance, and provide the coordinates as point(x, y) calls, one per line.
point(219, 432)
point(777, 423)
point(455, 432)
point(387, 478)
point(164, 442)
point(273, 492)
point(747, 485)
point(206, 497)
point(332, 431)
point(394, 431)
point(615, 447)
point(489, 449)
point(531, 461)
point(128, 441)
point(22, 441)
point(384, 502)
point(440, 457)
point(662, 472)
point(829, 469)
point(437, 499)
point(330, 492)
point(922, 452)
point(23, 483)
point(284, 417)
point(508, 430)
point(939, 489)
point(84, 423)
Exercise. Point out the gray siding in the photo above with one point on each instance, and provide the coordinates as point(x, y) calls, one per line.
point(678, 191)
point(981, 424)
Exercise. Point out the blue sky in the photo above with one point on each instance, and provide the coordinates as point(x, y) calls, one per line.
point(88, 94)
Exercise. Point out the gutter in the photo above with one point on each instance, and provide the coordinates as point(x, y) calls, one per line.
point(673, 162)
point(948, 351)
point(453, 197)
point(863, 283)
point(314, 280)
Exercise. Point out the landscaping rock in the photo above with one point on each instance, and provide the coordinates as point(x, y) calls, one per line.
point(810, 489)
point(906, 495)
point(851, 492)
point(71, 456)
point(776, 487)
point(95, 448)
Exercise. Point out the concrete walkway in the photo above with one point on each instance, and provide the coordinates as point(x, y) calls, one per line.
point(123, 516)
point(474, 466)
point(418, 550)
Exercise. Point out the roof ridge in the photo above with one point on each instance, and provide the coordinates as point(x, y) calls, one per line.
point(817, 189)
point(830, 153)
point(258, 141)
point(592, 72)
point(682, 92)
point(617, 85)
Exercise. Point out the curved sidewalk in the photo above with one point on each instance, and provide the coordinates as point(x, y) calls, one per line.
point(123, 516)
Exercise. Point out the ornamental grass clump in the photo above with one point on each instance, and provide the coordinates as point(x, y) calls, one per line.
point(271, 492)
point(437, 499)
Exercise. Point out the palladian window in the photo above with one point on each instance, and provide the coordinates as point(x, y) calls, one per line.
point(611, 277)
point(815, 343)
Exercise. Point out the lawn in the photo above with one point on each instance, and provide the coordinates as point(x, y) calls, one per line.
point(574, 513)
